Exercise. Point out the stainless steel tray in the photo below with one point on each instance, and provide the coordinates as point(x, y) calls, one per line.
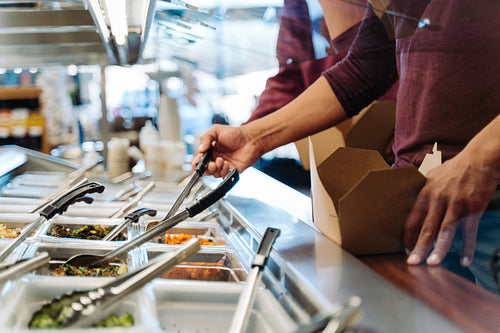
point(206, 265)
point(59, 253)
point(198, 307)
point(209, 232)
point(73, 223)
point(18, 220)
point(31, 293)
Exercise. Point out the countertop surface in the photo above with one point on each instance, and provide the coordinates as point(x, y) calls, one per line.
point(395, 298)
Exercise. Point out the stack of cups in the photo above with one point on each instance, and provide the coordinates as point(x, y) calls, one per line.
point(118, 159)
point(169, 120)
point(163, 157)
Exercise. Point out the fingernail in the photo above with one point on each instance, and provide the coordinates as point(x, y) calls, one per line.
point(465, 261)
point(433, 259)
point(413, 259)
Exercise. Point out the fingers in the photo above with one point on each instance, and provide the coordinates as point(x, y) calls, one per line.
point(469, 234)
point(414, 220)
point(445, 236)
point(218, 168)
point(428, 233)
point(206, 140)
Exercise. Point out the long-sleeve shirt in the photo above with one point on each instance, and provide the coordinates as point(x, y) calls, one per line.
point(300, 64)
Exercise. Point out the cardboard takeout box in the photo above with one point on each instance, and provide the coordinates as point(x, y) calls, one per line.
point(358, 200)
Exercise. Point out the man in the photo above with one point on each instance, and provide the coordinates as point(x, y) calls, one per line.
point(446, 58)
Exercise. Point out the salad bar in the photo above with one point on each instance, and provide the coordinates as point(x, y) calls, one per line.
point(205, 263)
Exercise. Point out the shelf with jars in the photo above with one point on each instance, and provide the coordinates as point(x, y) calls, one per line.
point(21, 119)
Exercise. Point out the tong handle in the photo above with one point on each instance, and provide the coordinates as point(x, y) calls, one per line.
point(130, 218)
point(61, 204)
point(247, 297)
point(136, 214)
point(265, 246)
point(213, 196)
point(203, 162)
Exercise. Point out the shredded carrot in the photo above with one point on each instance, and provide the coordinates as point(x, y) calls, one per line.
point(182, 237)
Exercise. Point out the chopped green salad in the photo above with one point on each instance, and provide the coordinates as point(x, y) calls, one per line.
point(108, 271)
point(92, 232)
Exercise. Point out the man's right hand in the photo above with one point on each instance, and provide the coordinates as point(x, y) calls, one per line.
point(233, 148)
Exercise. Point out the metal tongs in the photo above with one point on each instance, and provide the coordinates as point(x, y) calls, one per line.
point(130, 218)
point(18, 268)
point(57, 206)
point(195, 176)
point(72, 180)
point(131, 204)
point(83, 308)
point(246, 300)
point(89, 260)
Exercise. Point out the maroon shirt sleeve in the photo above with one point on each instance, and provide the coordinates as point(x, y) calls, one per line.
point(294, 43)
point(368, 70)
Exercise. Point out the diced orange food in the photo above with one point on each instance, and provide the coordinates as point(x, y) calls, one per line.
point(182, 237)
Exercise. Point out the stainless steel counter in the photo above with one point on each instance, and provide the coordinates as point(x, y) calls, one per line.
point(321, 264)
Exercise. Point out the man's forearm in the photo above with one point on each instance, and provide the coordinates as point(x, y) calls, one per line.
point(314, 110)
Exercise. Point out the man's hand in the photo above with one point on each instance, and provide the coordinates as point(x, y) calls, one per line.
point(458, 191)
point(233, 148)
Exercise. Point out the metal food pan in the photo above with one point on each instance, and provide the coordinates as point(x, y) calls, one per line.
point(30, 294)
point(75, 223)
point(17, 209)
point(17, 253)
point(209, 232)
point(213, 307)
point(17, 220)
point(39, 180)
point(76, 210)
point(59, 253)
point(18, 191)
point(205, 265)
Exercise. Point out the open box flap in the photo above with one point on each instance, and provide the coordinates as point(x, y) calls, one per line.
point(375, 128)
point(343, 169)
point(372, 128)
point(327, 141)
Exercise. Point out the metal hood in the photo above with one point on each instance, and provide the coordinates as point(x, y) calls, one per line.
point(124, 26)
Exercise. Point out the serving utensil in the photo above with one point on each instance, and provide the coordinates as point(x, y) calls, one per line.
point(247, 297)
point(72, 180)
point(83, 308)
point(90, 260)
point(193, 179)
point(57, 206)
point(132, 217)
point(19, 268)
point(131, 204)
